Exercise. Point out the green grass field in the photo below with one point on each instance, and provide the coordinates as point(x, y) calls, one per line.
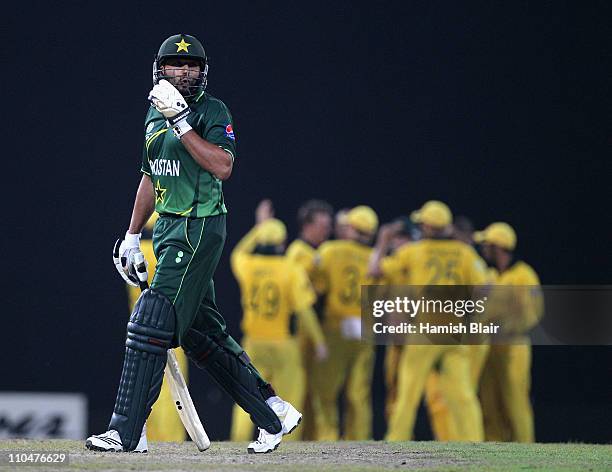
point(342, 456)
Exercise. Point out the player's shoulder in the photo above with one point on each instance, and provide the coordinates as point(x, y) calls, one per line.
point(525, 274)
point(152, 115)
point(362, 248)
point(328, 251)
point(341, 246)
point(298, 246)
point(454, 245)
point(210, 104)
point(294, 266)
point(492, 274)
point(411, 250)
point(151, 112)
point(293, 250)
point(329, 246)
point(407, 249)
point(471, 259)
point(290, 266)
point(215, 103)
point(468, 250)
point(265, 264)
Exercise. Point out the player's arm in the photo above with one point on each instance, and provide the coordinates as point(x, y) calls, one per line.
point(247, 244)
point(144, 205)
point(209, 156)
point(301, 257)
point(170, 103)
point(476, 275)
point(527, 303)
point(244, 247)
point(303, 298)
point(386, 233)
point(310, 323)
point(320, 272)
point(126, 249)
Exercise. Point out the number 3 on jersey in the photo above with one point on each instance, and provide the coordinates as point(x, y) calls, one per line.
point(349, 294)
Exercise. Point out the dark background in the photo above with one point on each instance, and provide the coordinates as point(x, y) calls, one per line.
point(500, 109)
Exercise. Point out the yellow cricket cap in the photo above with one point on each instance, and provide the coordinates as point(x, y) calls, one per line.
point(500, 234)
point(271, 232)
point(363, 219)
point(433, 213)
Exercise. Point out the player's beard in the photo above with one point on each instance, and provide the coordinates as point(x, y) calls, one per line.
point(185, 85)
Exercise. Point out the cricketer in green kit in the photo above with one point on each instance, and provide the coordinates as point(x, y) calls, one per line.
point(189, 149)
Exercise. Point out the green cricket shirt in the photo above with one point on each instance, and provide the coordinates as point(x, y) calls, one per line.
point(181, 186)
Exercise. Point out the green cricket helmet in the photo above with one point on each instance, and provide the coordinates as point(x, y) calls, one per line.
point(186, 46)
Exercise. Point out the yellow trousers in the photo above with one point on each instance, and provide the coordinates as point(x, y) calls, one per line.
point(164, 423)
point(350, 365)
point(308, 425)
point(416, 363)
point(504, 392)
point(392, 357)
point(280, 363)
point(440, 416)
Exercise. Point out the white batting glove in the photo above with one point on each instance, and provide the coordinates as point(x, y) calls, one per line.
point(169, 102)
point(124, 254)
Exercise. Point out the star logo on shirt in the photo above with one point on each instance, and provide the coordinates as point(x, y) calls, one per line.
point(160, 193)
point(182, 46)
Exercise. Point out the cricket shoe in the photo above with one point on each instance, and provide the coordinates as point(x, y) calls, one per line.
point(290, 419)
point(111, 442)
point(289, 416)
point(266, 442)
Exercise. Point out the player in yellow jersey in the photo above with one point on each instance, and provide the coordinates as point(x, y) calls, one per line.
point(315, 226)
point(437, 405)
point(273, 288)
point(506, 380)
point(407, 233)
point(315, 218)
point(341, 226)
point(163, 423)
point(342, 266)
point(463, 230)
point(436, 259)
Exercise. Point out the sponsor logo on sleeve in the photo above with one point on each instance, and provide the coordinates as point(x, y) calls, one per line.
point(229, 132)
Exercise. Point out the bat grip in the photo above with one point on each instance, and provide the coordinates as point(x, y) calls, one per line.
point(141, 271)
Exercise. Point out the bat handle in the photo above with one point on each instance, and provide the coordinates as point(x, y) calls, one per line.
point(141, 271)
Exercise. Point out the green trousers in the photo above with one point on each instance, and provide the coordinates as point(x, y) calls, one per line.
point(187, 252)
